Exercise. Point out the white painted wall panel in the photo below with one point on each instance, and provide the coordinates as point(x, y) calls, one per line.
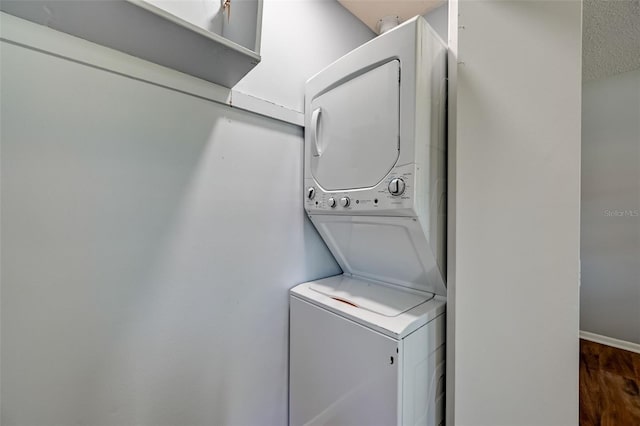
point(610, 293)
point(516, 230)
point(148, 242)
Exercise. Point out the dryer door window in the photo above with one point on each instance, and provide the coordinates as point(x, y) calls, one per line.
point(354, 136)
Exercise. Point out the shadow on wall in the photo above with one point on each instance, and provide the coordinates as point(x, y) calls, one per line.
point(148, 242)
point(610, 293)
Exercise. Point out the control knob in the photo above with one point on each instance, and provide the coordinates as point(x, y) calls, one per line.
point(332, 202)
point(345, 201)
point(311, 193)
point(396, 186)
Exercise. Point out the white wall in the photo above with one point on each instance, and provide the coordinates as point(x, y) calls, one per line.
point(610, 293)
point(514, 154)
point(149, 238)
point(438, 18)
point(299, 38)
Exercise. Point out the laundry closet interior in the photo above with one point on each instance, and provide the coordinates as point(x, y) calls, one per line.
point(290, 212)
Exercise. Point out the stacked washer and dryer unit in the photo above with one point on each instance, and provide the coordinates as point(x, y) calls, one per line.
point(367, 346)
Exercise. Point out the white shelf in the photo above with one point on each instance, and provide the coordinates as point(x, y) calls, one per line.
point(145, 31)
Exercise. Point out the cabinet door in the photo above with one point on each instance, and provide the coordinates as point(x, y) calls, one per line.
point(354, 129)
point(341, 373)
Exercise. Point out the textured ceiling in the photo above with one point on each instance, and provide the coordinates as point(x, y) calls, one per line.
point(370, 11)
point(611, 37)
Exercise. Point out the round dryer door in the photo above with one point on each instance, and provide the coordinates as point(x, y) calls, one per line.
point(354, 134)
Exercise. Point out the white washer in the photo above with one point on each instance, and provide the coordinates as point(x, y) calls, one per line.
point(367, 347)
point(377, 359)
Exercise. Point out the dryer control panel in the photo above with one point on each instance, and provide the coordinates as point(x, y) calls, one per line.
point(395, 195)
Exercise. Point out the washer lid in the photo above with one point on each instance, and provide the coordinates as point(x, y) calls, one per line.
point(370, 296)
point(388, 249)
point(354, 129)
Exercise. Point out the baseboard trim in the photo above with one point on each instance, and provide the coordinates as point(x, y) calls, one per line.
point(610, 341)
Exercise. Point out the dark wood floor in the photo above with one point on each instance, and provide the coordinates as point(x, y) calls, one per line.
point(609, 386)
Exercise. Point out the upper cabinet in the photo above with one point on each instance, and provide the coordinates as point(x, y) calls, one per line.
point(235, 20)
point(216, 40)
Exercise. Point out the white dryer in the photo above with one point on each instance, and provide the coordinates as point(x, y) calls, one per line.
point(367, 347)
